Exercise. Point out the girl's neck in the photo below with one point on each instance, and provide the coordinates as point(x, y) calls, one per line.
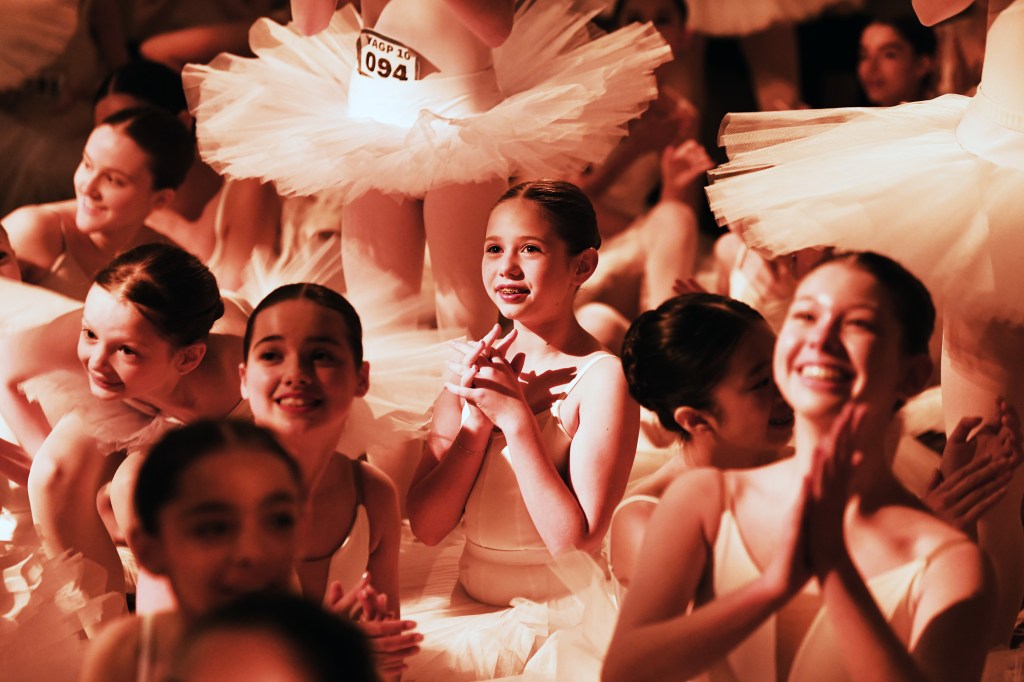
point(564, 337)
point(313, 451)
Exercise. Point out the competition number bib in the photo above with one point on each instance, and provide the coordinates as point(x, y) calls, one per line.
point(382, 57)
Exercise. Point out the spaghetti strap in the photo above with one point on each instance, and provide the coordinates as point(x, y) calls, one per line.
point(357, 480)
point(583, 370)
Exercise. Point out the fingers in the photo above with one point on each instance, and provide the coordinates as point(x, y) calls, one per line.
point(963, 428)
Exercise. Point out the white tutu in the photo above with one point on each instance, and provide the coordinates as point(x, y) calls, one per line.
point(743, 17)
point(564, 638)
point(898, 181)
point(285, 116)
point(43, 609)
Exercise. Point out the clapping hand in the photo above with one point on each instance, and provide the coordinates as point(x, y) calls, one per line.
point(391, 639)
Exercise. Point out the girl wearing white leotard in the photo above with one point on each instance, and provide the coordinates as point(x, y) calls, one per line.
point(819, 566)
point(533, 439)
point(845, 177)
point(302, 368)
point(702, 363)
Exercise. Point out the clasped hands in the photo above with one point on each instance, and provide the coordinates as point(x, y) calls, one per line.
point(488, 381)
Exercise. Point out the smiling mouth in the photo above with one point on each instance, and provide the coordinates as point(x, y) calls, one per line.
point(292, 402)
point(825, 373)
point(104, 383)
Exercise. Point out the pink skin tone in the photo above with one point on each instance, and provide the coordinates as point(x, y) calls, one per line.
point(888, 69)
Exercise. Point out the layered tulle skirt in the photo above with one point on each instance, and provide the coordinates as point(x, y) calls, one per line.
point(299, 114)
point(937, 185)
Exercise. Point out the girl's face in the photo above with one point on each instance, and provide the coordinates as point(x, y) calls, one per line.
point(8, 261)
point(301, 373)
point(526, 268)
point(752, 421)
point(888, 69)
point(665, 16)
point(123, 354)
point(233, 529)
point(841, 341)
point(113, 183)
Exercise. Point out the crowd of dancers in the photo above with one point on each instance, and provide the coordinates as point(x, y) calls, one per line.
point(313, 370)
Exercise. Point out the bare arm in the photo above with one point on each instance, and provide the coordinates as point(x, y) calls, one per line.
point(35, 352)
point(931, 12)
point(489, 20)
point(655, 638)
point(450, 462)
point(36, 239)
point(577, 515)
point(312, 16)
point(385, 531)
point(113, 655)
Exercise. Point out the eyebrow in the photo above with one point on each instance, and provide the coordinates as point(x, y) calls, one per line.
point(108, 169)
point(309, 339)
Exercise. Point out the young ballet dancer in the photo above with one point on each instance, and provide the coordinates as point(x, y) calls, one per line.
point(819, 566)
point(702, 363)
point(219, 508)
point(415, 114)
point(140, 354)
point(533, 439)
point(131, 165)
point(302, 367)
point(845, 177)
point(897, 61)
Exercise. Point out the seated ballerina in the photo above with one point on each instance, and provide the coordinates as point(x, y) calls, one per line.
point(219, 510)
point(221, 221)
point(533, 439)
point(279, 637)
point(301, 369)
point(779, 560)
point(702, 363)
point(131, 165)
point(145, 357)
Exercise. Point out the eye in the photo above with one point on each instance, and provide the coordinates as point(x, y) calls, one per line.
point(322, 355)
point(531, 248)
point(283, 520)
point(762, 384)
point(861, 323)
point(4, 256)
point(802, 315)
point(86, 163)
point(128, 351)
point(269, 356)
point(211, 530)
point(492, 248)
point(118, 182)
point(88, 334)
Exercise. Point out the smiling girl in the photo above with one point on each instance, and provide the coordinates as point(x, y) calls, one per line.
point(219, 506)
point(302, 367)
point(534, 437)
point(139, 353)
point(131, 165)
point(820, 566)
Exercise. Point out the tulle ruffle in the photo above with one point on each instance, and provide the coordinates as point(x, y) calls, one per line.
point(743, 17)
point(562, 638)
point(284, 115)
point(892, 180)
point(44, 612)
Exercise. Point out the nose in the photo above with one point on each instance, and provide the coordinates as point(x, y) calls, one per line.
point(297, 371)
point(88, 181)
point(99, 360)
point(825, 334)
point(509, 264)
point(250, 548)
